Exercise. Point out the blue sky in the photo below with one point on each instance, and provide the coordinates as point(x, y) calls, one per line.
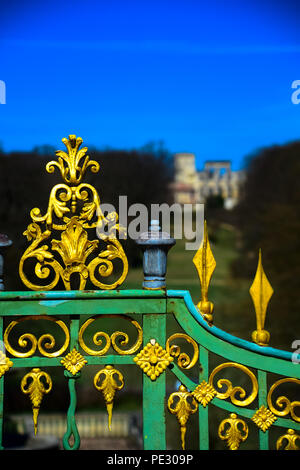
point(213, 78)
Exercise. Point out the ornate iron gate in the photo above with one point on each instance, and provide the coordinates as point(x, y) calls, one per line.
point(74, 210)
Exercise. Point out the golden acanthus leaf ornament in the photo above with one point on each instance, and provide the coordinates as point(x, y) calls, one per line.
point(73, 212)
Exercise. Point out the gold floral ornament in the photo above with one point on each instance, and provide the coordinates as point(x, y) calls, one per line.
point(153, 359)
point(182, 404)
point(108, 386)
point(73, 210)
point(290, 439)
point(204, 393)
point(261, 292)
point(5, 363)
point(205, 264)
point(73, 361)
point(33, 385)
point(263, 418)
point(234, 431)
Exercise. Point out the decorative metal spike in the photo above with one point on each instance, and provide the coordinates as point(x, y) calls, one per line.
point(205, 264)
point(106, 381)
point(261, 292)
point(182, 404)
point(33, 386)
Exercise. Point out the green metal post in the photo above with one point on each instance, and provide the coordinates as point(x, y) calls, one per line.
point(262, 400)
point(203, 412)
point(154, 421)
point(71, 421)
point(1, 390)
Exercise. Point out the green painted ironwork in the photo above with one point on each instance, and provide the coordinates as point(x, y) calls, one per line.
point(152, 309)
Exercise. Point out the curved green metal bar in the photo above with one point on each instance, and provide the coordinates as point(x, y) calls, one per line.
point(226, 345)
point(71, 422)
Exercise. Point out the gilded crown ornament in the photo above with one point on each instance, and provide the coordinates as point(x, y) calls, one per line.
point(73, 210)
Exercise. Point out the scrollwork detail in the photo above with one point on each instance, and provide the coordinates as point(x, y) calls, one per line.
point(44, 343)
point(183, 359)
point(283, 402)
point(73, 208)
point(232, 392)
point(111, 340)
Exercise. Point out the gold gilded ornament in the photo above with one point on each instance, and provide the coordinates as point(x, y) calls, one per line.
point(109, 386)
point(263, 418)
point(283, 402)
point(205, 264)
point(291, 437)
point(234, 393)
point(5, 363)
point(111, 340)
point(73, 361)
point(182, 404)
point(33, 386)
point(183, 360)
point(153, 359)
point(204, 393)
point(229, 431)
point(69, 165)
point(73, 208)
point(261, 292)
point(43, 344)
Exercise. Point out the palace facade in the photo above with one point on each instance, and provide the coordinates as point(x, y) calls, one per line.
point(192, 186)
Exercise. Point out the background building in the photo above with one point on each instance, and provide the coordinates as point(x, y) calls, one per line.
point(216, 179)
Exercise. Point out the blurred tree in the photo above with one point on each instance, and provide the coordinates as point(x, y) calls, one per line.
point(24, 184)
point(269, 218)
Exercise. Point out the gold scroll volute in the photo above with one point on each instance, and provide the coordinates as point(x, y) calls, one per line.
point(236, 394)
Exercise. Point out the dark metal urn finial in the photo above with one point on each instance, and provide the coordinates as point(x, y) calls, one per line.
point(155, 245)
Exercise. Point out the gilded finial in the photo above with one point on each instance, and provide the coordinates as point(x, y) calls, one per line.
point(182, 404)
point(108, 387)
point(33, 385)
point(261, 292)
point(69, 164)
point(233, 430)
point(205, 264)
